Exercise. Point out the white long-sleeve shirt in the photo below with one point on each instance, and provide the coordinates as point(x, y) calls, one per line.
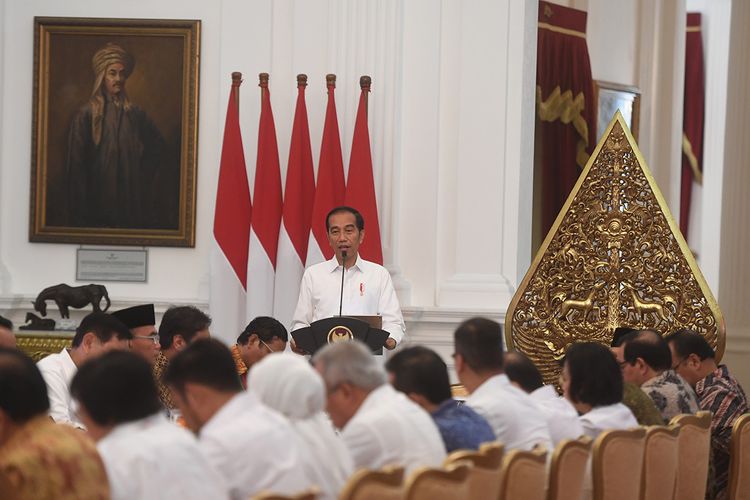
point(390, 429)
point(152, 459)
point(602, 418)
point(368, 290)
point(58, 370)
point(254, 448)
point(511, 413)
point(562, 417)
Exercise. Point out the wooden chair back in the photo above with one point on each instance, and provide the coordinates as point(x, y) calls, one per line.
point(524, 475)
point(484, 475)
point(428, 483)
point(570, 460)
point(383, 484)
point(617, 463)
point(739, 469)
point(660, 458)
point(309, 494)
point(693, 453)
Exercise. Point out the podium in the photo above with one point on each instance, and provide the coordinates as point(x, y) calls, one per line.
point(366, 329)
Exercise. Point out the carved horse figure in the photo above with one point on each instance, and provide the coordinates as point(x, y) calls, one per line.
point(68, 296)
point(582, 306)
point(643, 307)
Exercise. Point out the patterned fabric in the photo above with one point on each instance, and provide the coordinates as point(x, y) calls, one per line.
point(44, 460)
point(641, 405)
point(671, 395)
point(164, 395)
point(460, 426)
point(723, 396)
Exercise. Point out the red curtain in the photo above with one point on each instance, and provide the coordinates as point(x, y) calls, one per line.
point(565, 104)
point(692, 121)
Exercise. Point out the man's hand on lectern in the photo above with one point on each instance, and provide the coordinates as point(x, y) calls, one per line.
point(296, 349)
point(390, 344)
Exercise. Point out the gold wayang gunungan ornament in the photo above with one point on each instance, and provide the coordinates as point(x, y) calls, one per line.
point(614, 257)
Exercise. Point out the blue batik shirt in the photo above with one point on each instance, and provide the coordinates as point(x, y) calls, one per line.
point(460, 426)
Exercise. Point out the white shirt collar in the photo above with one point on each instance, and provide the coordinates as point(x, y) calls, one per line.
point(333, 264)
point(544, 393)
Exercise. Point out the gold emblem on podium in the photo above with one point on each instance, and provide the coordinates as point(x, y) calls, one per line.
point(614, 257)
point(339, 334)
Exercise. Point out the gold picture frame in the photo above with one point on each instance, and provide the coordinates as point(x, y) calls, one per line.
point(115, 131)
point(610, 97)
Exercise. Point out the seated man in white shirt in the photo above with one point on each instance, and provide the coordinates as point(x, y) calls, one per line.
point(512, 414)
point(368, 289)
point(253, 447)
point(379, 425)
point(561, 416)
point(98, 333)
point(146, 456)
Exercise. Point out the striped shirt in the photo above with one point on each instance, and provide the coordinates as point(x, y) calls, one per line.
point(723, 396)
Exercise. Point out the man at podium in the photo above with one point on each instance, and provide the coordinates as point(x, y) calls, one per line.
point(367, 287)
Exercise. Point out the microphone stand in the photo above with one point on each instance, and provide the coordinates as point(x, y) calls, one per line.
point(343, 271)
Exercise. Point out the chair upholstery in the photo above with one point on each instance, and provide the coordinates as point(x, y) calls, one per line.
point(366, 484)
point(694, 449)
point(484, 475)
point(660, 462)
point(427, 483)
point(616, 464)
point(739, 474)
point(524, 475)
point(568, 469)
point(310, 494)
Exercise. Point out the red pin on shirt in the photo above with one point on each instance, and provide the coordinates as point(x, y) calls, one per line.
point(361, 289)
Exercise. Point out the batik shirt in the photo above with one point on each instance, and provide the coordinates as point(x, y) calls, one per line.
point(671, 395)
point(460, 426)
point(720, 394)
point(159, 368)
point(44, 460)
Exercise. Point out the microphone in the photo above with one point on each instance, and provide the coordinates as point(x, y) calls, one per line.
point(343, 271)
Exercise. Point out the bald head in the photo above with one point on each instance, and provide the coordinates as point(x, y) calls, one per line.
point(7, 338)
point(522, 372)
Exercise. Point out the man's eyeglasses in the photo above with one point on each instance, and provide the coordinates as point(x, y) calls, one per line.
point(152, 338)
point(680, 363)
point(267, 346)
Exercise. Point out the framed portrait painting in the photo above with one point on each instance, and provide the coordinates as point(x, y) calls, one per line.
point(115, 131)
point(612, 96)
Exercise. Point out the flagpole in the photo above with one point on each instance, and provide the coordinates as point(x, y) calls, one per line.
point(364, 83)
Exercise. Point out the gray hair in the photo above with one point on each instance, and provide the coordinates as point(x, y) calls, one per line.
point(349, 362)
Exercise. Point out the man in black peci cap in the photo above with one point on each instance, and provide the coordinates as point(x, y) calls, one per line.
point(141, 321)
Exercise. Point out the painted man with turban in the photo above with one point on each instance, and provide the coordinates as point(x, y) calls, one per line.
point(114, 152)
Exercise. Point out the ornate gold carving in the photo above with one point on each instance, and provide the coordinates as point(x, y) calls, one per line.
point(614, 257)
point(37, 346)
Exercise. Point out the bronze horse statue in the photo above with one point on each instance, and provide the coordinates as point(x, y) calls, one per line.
point(71, 296)
point(34, 322)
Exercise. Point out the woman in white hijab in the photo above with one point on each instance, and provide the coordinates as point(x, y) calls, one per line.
point(287, 383)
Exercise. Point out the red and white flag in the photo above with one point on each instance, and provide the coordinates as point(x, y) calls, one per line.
point(232, 215)
point(267, 205)
point(330, 188)
point(299, 193)
point(360, 186)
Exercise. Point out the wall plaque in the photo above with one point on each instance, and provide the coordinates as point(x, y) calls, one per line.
point(111, 265)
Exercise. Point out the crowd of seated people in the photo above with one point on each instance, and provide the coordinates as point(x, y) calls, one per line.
point(93, 421)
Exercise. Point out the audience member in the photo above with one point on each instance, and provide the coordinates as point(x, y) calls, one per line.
point(512, 414)
point(261, 337)
point(718, 392)
point(633, 397)
point(380, 426)
point(422, 375)
point(288, 384)
point(252, 446)
point(561, 416)
point(40, 460)
point(98, 333)
point(7, 337)
point(648, 364)
point(592, 382)
point(141, 320)
point(146, 456)
point(179, 327)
